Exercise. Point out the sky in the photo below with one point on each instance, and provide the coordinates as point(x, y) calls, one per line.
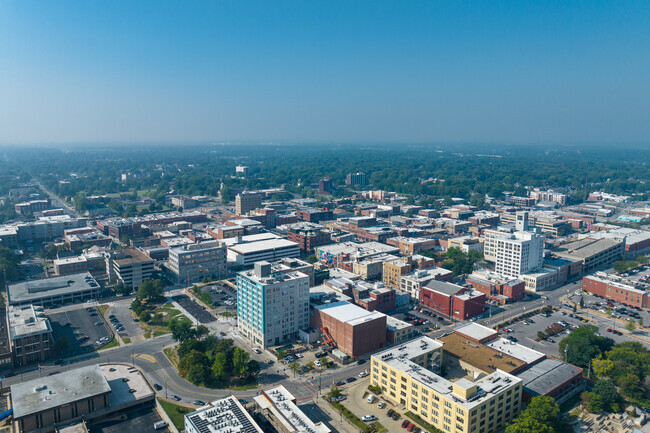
point(516, 72)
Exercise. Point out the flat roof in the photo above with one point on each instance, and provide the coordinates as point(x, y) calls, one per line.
point(475, 330)
point(546, 375)
point(479, 355)
point(516, 350)
point(400, 357)
point(37, 289)
point(396, 324)
point(25, 321)
point(281, 403)
point(269, 244)
point(131, 255)
point(45, 393)
point(349, 313)
point(120, 390)
point(226, 415)
point(248, 238)
point(585, 248)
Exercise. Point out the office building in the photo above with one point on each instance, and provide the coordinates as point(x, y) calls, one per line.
point(394, 269)
point(490, 237)
point(184, 202)
point(45, 404)
point(279, 407)
point(398, 331)
point(334, 254)
point(54, 291)
point(308, 236)
point(356, 179)
point(371, 269)
point(30, 335)
point(247, 250)
point(247, 201)
point(413, 282)
point(130, 266)
point(288, 264)
point(518, 253)
point(355, 331)
point(191, 263)
point(226, 415)
point(271, 308)
point(325, 185)
point(409, 375)
point(314, 215)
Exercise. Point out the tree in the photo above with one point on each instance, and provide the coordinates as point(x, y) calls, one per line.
point(334, 392)
point(198, 373)
point(602, 367)
point(281, 354)
point(240, 360)
point(181, 329)
point(593, 402)
point(79, 202)
point(219, 366)
point(121, 289)
point(295, 367)
point(608, 393)
point(630, 325)
point(144, 316)
point(311, 259)
point(575, 308)
point(528, 425)
point(150, 290)
point(582, 301)
point(609, 311)
point(641, 322)
point(582, 345)
point(188, 346)
point(201, 331)
point(642, 260)
point(541, 335)
point(187, 366)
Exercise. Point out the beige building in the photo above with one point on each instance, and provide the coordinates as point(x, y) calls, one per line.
point(246, 202)
point(130, 266)
point(393, 271)
point(409, 375)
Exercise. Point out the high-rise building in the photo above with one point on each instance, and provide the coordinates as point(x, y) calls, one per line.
point(271, 308)
point(130, 266)
point(325, 185)
point(518, 253)
point(247, 201)
point(356, 179)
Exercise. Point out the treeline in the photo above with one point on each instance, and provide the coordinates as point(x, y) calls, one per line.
point(423, 170)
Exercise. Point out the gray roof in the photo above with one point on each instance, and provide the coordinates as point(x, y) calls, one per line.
point(443, 287)
point(37, 289)
point(53, 391)
point(546, 375)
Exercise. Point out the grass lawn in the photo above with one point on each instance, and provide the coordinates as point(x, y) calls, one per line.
point(227, 314)
point(102, 310)
point(243, 387)
point(171, 355)
point(112, 343)
point(363, 427)
point(126, 340)
point(425, 426)
point(176, 413)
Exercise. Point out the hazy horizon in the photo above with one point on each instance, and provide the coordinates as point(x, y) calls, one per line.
point(422, 72)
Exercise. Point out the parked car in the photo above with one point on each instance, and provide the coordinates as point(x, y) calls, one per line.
point(198, 403)
point(350, 379)
point(175, 397)
point(99, 322)
point(381, 405)
point(339, 383)
point(256, 350)
point(363, 374)
point(317, 363)
point(368, 418)
point(157, 387)
point(361, 361)
point(405, 423)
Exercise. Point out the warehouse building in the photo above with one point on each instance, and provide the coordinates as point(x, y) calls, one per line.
point(55, 291)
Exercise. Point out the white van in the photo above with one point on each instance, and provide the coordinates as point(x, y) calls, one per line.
point(371, 398)
point(160, 424)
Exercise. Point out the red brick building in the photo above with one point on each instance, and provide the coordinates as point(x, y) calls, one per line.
point(355, 331)
point(502, 289)
point(313, 215)
point(604, 285)
point(227, 231)
point(308, 236)
point(452, 300)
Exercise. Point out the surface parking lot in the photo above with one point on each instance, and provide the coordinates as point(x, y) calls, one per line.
point(194, 309)
point(80, 329)
point(138, 421)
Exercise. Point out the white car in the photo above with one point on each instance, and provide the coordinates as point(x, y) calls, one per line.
point(256, 350)
point(317, 363)
point(381, 405)
point(363, 374)
point(367, 418)
point(298, 355)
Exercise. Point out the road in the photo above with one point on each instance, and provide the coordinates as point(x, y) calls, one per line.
point(57, 202)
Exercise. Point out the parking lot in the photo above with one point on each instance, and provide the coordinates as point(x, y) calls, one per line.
point(125, 318)
point(196, 310)
point(80, 327)
point(221, 296)
point(138, 421)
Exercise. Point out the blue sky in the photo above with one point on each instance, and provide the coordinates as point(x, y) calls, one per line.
point(391, 71)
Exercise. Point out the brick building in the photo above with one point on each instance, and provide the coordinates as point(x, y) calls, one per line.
point(308, 236)
point(608, 287)
point(355, 331)
point(498, 287)
point(314, 215)
point(412, 245)
point(452, 300)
